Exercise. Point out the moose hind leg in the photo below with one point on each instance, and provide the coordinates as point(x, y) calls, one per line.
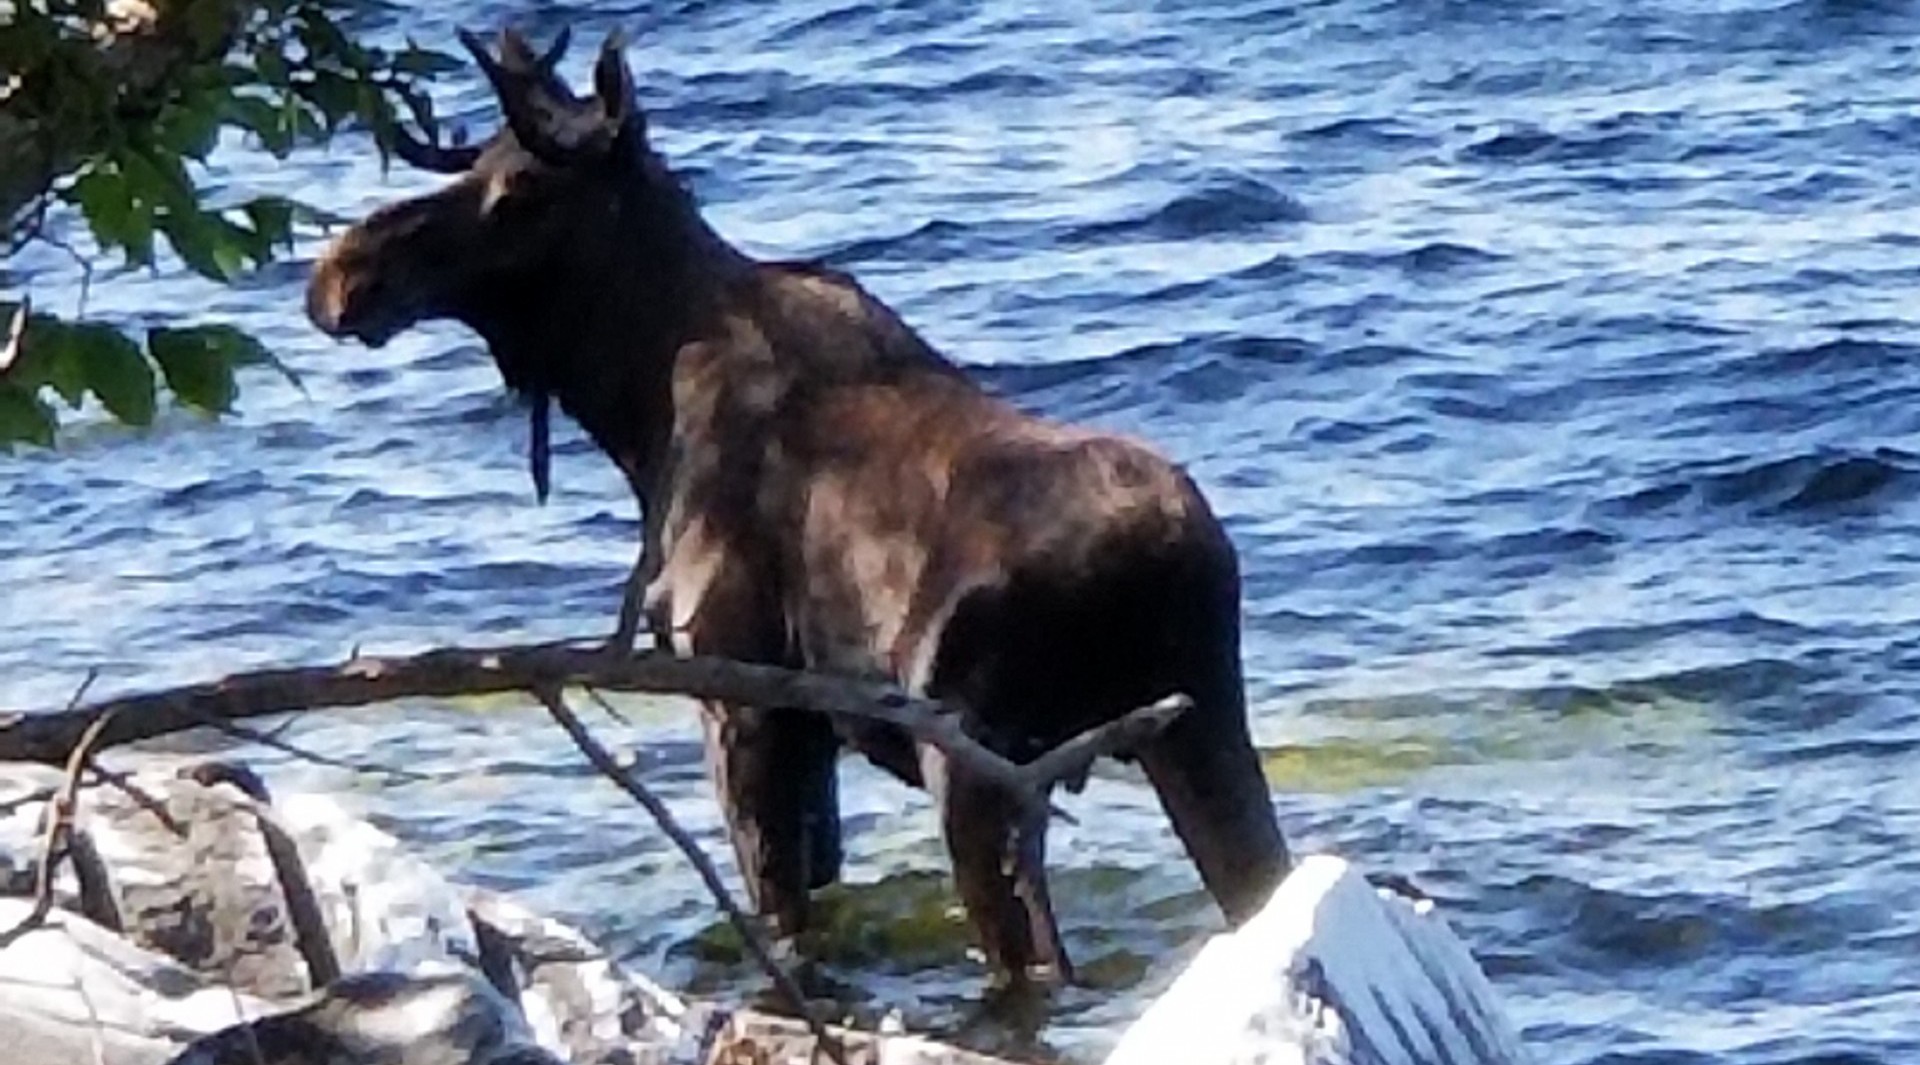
point(774, 771)
point(998, 851)
point(1207, 773)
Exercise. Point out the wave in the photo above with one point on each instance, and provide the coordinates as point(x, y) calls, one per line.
point(1200, 369)
point(932, 240)
point(1629, 135)
point(1432, 257)
point(1225, 205)
point(1841, 355)
point(1618, 930)
point(1814, 483)
point(1372, 133)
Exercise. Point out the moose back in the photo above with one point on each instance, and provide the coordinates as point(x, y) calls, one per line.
point(822, 489)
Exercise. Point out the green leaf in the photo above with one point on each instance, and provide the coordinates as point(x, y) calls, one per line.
point(159, 179)
point(415, 61)
point(191, 127)
point(67, 375)
point(115, 370)
point(24, 419)
point(47, 359)
point(272, 67)
point(324, 39)
point(233, 247)
point(211, 246)
point(117, 217)
point(62, 367)
point(273, 125)
point(333, 95)
point(199, 362)
point(272, 218)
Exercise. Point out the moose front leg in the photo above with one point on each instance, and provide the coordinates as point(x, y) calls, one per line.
point(774, 771)
point(633, 602)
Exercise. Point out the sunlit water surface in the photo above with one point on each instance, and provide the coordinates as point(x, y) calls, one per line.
point(1554, 365)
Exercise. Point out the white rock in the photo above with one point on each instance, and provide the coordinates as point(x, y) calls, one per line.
point(69, 988)
point(1330, 972)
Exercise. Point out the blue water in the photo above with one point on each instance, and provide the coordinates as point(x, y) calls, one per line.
point(1554, 365)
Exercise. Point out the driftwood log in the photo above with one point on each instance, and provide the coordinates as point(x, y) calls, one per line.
point(50, 736)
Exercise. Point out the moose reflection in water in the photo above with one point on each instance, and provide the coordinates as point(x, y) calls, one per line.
point(822, 489)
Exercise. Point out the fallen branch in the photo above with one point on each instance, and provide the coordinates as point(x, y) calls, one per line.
point(455, 671)
point(609, 767)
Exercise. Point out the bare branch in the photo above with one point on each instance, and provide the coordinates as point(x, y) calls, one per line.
point(455, 671)
point(123, 783)
point(59, 827)
point(28, 222)
point(81, 260)
point(1072, 759)
point(606, 706)
point(16, 331)
point(603, 761)
point(270, 738)
point(101, 776)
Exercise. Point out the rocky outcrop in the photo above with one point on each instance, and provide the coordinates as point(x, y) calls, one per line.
point(203, 924)
point(185, 935)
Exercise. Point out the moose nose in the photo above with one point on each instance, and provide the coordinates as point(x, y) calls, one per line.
point(327, 294)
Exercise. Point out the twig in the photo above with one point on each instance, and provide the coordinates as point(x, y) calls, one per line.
point(607, 706)
point(603, 760)
point(83, 262)
point(59, 824)
point(456, 671)
point(123, 783)
point(1073, 758)
point(28, 223)
point(16, 330)
point(32, 798)
point(270, 738)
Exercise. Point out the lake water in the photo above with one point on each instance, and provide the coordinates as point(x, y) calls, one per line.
point(1554, 364)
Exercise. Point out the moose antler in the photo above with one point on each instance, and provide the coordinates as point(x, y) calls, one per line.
point(427, 155)
point(515, 50)
point(546, 118)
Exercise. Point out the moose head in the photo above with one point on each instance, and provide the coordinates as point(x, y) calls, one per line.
point(564, 240)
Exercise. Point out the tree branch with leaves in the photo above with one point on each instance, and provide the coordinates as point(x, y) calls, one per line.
point(109, 111)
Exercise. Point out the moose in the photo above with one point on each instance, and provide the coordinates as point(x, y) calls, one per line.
point(821, 489)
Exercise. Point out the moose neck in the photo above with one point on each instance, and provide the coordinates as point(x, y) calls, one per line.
point(600, 337)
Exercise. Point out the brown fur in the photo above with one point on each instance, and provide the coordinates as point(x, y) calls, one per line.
point(823, 489)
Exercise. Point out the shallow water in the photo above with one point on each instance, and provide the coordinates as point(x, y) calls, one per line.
point(1552, 364)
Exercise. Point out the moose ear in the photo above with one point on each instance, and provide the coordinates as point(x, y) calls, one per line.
point(515, 50)
point(613, 83)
